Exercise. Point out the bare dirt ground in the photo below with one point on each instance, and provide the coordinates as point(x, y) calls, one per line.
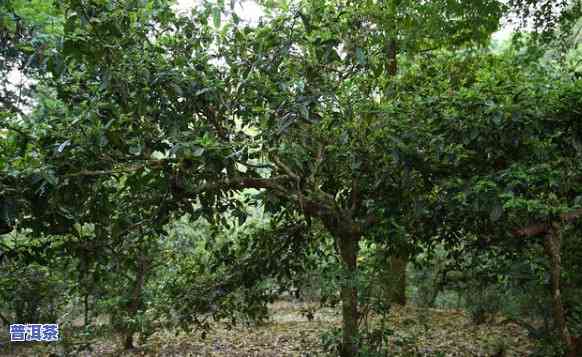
point(416, 332)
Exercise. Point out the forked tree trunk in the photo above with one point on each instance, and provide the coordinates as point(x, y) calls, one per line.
point(552, 245)
point(348, 249)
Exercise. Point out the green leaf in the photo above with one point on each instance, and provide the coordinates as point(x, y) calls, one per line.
point(135, 149)
point(496, 212)
point(198, 151)
point(304, 111)
point(78, 228)
point(216, 16)
point(202, 91)
point(360, 56)
point(177, 90)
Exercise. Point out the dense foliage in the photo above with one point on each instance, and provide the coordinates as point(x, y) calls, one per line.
point(177, 169)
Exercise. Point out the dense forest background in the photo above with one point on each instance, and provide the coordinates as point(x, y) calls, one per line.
point(353, 178)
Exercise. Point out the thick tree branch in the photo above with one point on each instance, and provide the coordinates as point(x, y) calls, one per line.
point(245, 182)
point(105, 172)
point(371, 219)
point(355, 195)
point(285, 168)
point(288, 171)
point(543, 228)
point(211, 115)
point(149, 164)
point(255, 166)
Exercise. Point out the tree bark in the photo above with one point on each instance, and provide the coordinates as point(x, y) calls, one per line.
point(5, 321)
point(348, 249)
point(391, 52)
point(136, 301)
point(552, 245)
point(396, 287)
point(86, 309)
point(397, 284)
point(577, 341)
point(128, 340)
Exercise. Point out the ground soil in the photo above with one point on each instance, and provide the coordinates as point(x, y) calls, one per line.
point(415, 332)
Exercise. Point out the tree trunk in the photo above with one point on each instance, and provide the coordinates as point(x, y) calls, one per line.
point(86, 309)
point(396, 287)
point(348, 249)
point(577, 342)
point(136, 301)
point(391, 52)
point(398, 279)
point(552, 245)
point(128, 340)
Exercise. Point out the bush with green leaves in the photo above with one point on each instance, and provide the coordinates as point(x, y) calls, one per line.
point(227, 272)
point(161, 115)
point(30, 293)
point(427, 276)
point(33, 289)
